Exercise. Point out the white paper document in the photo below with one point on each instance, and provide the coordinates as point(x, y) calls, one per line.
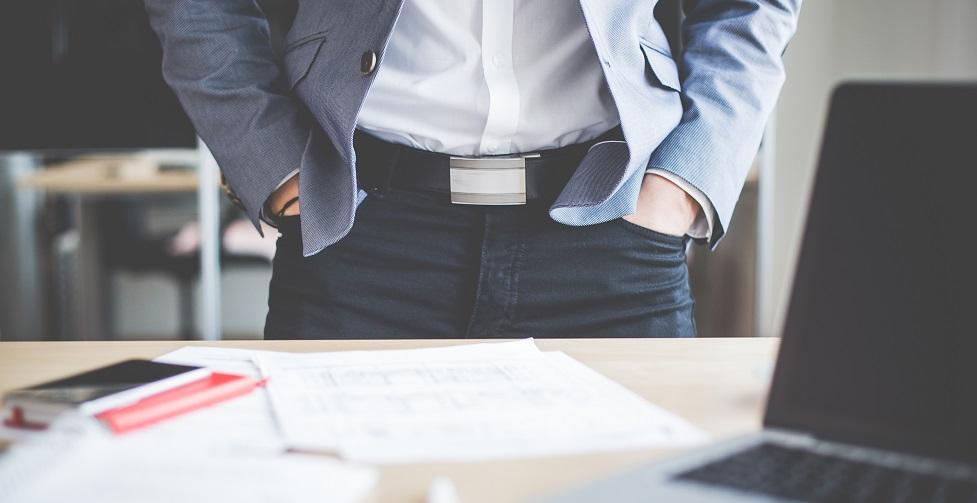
point(231, 451)
point(92, 467)
point(241, 425)
point(462, 403)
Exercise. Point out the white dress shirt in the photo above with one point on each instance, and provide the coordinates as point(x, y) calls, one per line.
point(492, 77)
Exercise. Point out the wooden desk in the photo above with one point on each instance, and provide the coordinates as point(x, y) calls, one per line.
point(718, 384)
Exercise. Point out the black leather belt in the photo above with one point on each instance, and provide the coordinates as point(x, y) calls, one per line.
point(490, 180)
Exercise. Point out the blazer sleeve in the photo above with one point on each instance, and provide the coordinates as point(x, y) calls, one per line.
point(732, 71)
point(219, 59)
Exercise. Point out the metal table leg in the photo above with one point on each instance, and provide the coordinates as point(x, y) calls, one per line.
point(208, 199)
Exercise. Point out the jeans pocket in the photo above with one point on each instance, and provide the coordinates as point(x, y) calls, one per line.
point(288, 246)
point(660, 239)
point(288, 223)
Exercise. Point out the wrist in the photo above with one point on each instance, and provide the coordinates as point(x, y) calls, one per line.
point(284, 200)
point(664, 207)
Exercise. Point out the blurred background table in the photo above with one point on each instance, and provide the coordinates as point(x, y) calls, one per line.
point(88, 185)
point(108, 175)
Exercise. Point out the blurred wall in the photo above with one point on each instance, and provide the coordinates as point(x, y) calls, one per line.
point(851, 39)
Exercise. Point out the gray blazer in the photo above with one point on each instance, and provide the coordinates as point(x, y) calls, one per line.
point(699, 114)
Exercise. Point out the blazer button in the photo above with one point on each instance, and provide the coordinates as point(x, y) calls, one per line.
point(368, 62)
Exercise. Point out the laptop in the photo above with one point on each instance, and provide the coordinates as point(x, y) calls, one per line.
point(874, 396)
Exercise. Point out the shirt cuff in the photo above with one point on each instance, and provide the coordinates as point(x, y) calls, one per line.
point(261, 213)
point(703, 225)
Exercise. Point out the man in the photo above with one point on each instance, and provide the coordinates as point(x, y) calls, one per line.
point(515, 167)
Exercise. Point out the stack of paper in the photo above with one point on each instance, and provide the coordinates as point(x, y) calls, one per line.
point(88, 465)
point(229, 452)
point(463, 403)
point(245, 424)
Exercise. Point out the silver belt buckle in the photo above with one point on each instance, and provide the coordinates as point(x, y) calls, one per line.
point(488, 180)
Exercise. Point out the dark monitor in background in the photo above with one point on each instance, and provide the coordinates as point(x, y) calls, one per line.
point(84, 75)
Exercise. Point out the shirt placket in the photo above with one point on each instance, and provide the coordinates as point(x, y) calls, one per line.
point(502, 121)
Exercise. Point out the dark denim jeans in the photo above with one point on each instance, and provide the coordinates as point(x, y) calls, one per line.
point(417, 266)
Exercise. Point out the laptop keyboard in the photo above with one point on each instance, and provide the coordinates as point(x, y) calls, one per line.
point(799, 474)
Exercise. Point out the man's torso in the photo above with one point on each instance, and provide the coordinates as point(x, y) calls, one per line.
point(489, 78)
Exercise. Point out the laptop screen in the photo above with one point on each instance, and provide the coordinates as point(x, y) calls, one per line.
point(880, 340)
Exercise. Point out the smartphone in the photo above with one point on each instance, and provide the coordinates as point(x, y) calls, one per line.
point(100, 389)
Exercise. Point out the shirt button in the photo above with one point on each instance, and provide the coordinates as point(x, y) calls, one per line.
point(493, 148)
point(497, 60)
point(368, 62)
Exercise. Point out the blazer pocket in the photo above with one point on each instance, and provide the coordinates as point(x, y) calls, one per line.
point(662, 69)
point(299, 56)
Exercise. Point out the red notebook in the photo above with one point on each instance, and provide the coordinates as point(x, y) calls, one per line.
point(195, 395)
